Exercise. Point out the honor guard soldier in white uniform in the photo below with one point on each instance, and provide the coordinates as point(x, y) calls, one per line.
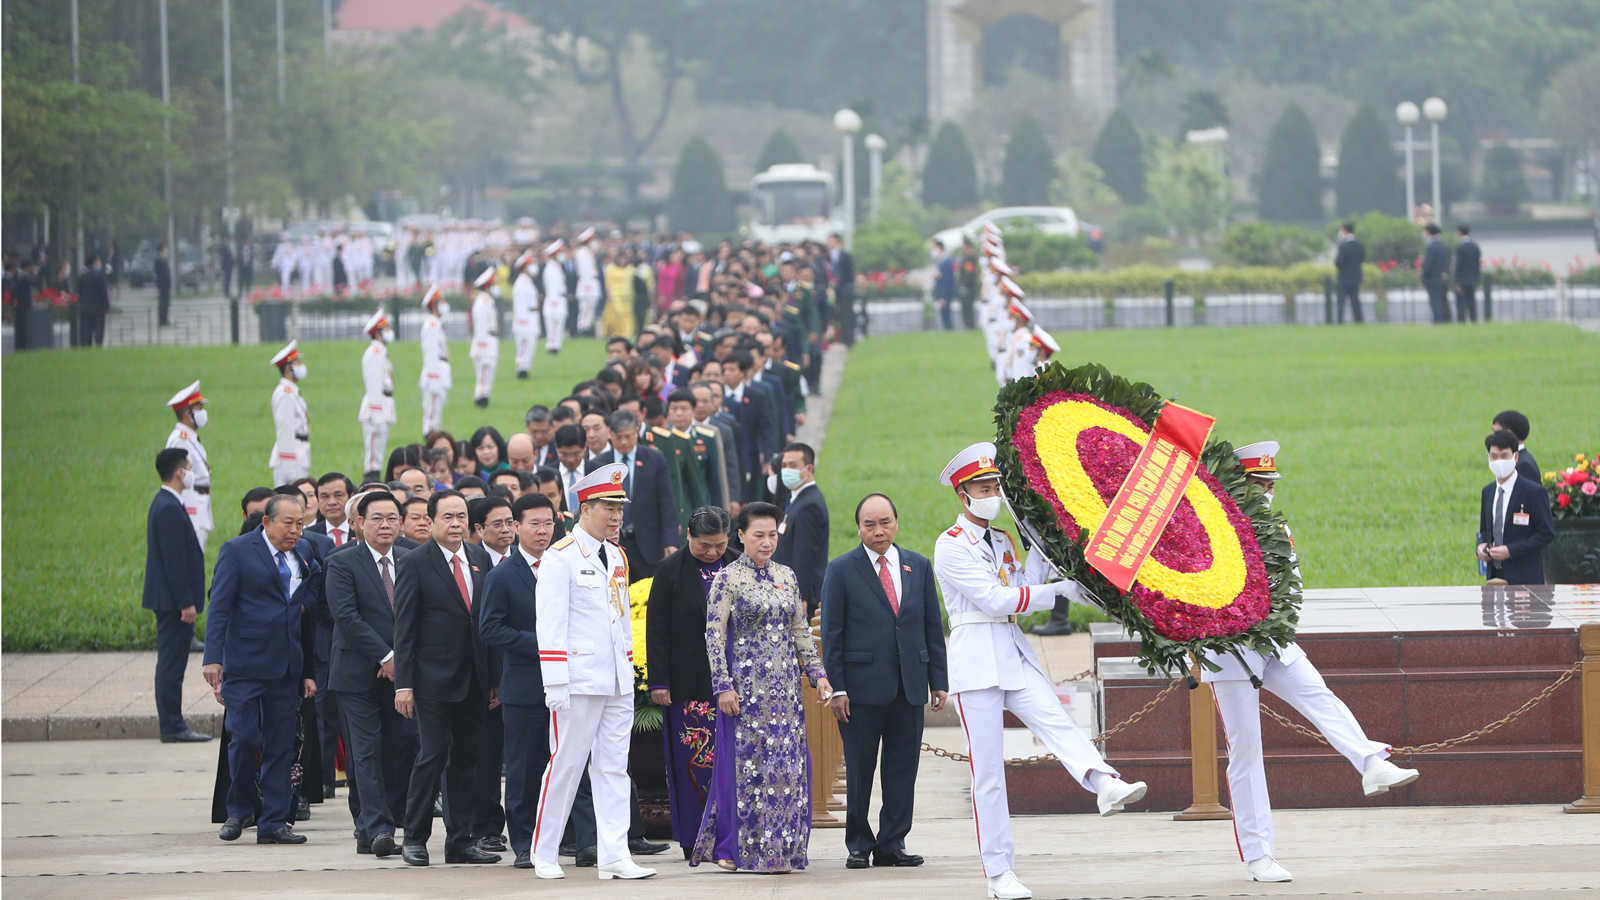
point(485, 321)
point(586, 658)
point(291, 449)
point(435, 381)
point(524, 313)
point(588, 270)
point(555, 296)
point(377, 404)
point(1019, 351)
point(191, 410)
point(986, 587)
point(283, 259)
point(1290, 675)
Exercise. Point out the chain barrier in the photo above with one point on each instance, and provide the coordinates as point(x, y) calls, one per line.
point(1048, 757)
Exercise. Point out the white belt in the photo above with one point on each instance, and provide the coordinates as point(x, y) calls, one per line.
point(979, 618)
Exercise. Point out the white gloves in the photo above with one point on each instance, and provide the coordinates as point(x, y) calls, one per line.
point(1071, 590)
point(556, 697)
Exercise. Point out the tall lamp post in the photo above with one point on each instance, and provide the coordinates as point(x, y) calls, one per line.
point(848, 122)
point(875, 147)
point(1408, 114)
point(166, 131)
point(1435, 111)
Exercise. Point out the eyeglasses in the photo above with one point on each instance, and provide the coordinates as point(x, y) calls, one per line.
point(383, 520)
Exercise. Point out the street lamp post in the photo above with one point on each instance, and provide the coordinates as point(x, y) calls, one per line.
point(166, 131)
point(1408, 114)
point(848, 122)
point(280, 54)
point(227, 106)
point(875, 147)
point(1435, 110)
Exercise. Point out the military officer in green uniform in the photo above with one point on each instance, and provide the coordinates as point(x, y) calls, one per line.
point(705, 443)
point(688, 487)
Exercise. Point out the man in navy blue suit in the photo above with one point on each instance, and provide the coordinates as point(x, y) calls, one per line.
point(174, 589)
point(650, 523)
point(883, 646)
point(944, 287)
point(803, 533)
point(1514, 518)
point(262, 584)
point(1436, 275)
point(753, 411)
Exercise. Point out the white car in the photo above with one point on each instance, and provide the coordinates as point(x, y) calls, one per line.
point(1047, 219)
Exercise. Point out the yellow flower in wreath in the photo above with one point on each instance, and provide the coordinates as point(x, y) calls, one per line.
point(638, 601)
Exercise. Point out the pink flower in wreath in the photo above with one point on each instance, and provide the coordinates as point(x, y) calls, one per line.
point(1589, 488)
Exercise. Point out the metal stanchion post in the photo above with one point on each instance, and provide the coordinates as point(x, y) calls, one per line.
point(1203, 755)
point(1589, 693)
point(233, 320)
point(1168, 288)
point(1488, 297)
point(1327, 299)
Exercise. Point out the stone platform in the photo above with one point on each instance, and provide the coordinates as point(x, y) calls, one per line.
point(1415, 666)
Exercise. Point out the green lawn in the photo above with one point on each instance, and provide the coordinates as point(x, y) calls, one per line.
point(82, 429)
point(1382, 427)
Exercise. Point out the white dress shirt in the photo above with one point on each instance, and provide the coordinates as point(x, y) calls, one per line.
point(289, 557)
point(377, 559)
point(495, 558)
point(342, 531)
point(533, 561)
point(894, 568)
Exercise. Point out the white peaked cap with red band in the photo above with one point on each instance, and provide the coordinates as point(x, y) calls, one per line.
point(556, 246)
point(604, 483)
point(974, 463)
point(585, 236)
point(1260, 460)
point(1016, 308)
point(484, 277)
point(187, 397)
point(1047, 345)
point(1010, 288)
point(432, 297)
point(525, 260)
point(287, 355)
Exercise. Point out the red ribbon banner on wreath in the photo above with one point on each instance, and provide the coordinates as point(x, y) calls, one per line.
point(1149, 496)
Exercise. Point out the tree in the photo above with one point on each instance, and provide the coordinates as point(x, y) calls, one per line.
point(1202, 109)
point(1366, 179)
point(1029, 166)
point(1189, 191)
point(699, 202)
point(884, 245)
point(950, 175)
point(1502, 187)
point(780, 148)
point(1291, 174)
point(1267, 244)
point(1119, 153)
point(1571, 105)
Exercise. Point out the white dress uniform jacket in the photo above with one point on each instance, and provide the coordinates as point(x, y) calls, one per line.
point(485, 329)
point(435, 356)
point(291, 451)
point(524, 318)
point(585, 629)
point(196, 504)
point(555, 303)
point(983, 580)
point(377, 377)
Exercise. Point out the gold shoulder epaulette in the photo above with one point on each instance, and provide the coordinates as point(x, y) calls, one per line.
point(677, 433)
point(664, 432)
point(791, 364)
point(563, 544)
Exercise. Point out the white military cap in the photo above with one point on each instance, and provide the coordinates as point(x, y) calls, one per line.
point(484, 277)
point(1016, 308)
point(1047, 345)
point(1260, 460)
point(187, 397)
point(1010, 288)
point(431, 297)
point(585, 236)
point(525, 260)
point(604, 483)
point(287, 355)
point(556, 246)
point(379, 320)
point(972, 464)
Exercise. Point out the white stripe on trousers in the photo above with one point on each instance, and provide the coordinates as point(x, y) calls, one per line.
point(596, 730)
point(1239, 703)
point(375, 436)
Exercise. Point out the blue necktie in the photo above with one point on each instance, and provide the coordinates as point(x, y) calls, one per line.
point(283, 573)
point(627, 485)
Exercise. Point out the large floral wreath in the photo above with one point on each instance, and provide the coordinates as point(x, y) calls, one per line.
point(1220, 578)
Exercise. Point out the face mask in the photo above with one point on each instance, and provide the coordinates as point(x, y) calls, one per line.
point(444, 308)
point(188, 479)
point(200, 418)
point(1502, 468)
point(791, 478)
point(388, 335)
point(299, 370)
point(1268, 498)
point(986, 508)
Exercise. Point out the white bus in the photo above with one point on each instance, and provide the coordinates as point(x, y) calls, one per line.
point(790, 203)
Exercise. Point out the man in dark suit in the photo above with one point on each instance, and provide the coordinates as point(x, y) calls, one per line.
point(843, 276)
point(263, 582)
point(944, 286)
point(754, 413)
point(1468, 258)
point(708, 413)
point(360, 595)
point(174, 589)
point(883, 646)
point(1347, 262)
point(163, 276)
point(1514, 517)
point(650, 522)
point(1517, 424)
point(1436, 275)
point(442, 678)
point(330, 532)
point(803, 533)
point(94, 300)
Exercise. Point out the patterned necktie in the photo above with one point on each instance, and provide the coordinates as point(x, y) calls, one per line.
point(388, 581)
point(283, 573)
point(888, 584)
point(461, 581)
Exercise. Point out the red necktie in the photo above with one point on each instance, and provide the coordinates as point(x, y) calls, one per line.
point(338, 537)
point(461, 581)
point(888, 584)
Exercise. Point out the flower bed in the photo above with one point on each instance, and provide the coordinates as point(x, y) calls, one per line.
point(1219, 578)
point(891, 285)
point(348, 300)
point(1575, 492)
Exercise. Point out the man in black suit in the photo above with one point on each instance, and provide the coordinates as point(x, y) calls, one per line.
point(803, 533)
point(755, 415)
point(1468, 258)
point(174, 589)
point(442, 678)
point(163, 276)
point(843, 277)
point(94, 299)
point(1517, 424)
point(883, 646)
point(1514, 517)
point(361, 595)
point(331, 531)
point(1347, 262)
point(1436, 275)
point(650, 522)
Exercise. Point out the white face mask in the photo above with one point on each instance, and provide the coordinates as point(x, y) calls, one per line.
point(388, 335)
point(200, 418)
point(188, 479)
point(1268, 498)
point(1502, 468)
point(299, 370)
point(443, 308)
point(986, 508)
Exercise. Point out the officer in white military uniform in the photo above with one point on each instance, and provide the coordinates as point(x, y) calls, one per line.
point(377, 403)
point(588, 289)
point(291, 449)
point(555, 296)
point(586, 658)
point(992, 667)
point(524, 312)
point(1018, 359)
point(485, 351)
point(435, 381)
point(191, 410)
point(283, 259)
point(1291, 676)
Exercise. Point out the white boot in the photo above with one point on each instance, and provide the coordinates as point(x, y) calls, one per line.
point(1114, 792)
point(547, 869)
point(624, 868)
point(1266, 869)
point(1005, 886)
point(1382, 775)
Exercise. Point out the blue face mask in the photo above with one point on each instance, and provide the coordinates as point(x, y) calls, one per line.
point(791, 478)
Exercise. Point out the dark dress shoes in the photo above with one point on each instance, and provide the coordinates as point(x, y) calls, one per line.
point(568, 850)
point(185, 737)
point(494, 843)
point(383, 844)
point(524, 860)
point(471, 854)
point(896, 858)
point(640, 847)
point(302, 808)
point(282, 836)
point(586, 857)
point(414, 854)
point(363, 848)
point(858, 860)
point(231, 830)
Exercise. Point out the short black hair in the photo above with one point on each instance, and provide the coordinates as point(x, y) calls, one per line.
point(807, 455)
point(681, 395)
point(758, 510)
point(1431, 228)
point(501, 491)
point(521, 477)
point(252, 522)
point(569, 435)
point(169, 461)
point(531, 500)
point(471, 481)
point(892, 508)
point(1463, 229)
point(407, 505)
point(372, 497)
point(537, 413)
point(1350, 227)
point(478, 509)
point(433, 502)
point(1501, 440)
point(740, 358)
point(254, 495)
point(627, 344)
point(1514, 422)
point(709, 520)
point(653, 407)
point(331, 477)
point(562, 414)
point(609, 375)
point(626, 398)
